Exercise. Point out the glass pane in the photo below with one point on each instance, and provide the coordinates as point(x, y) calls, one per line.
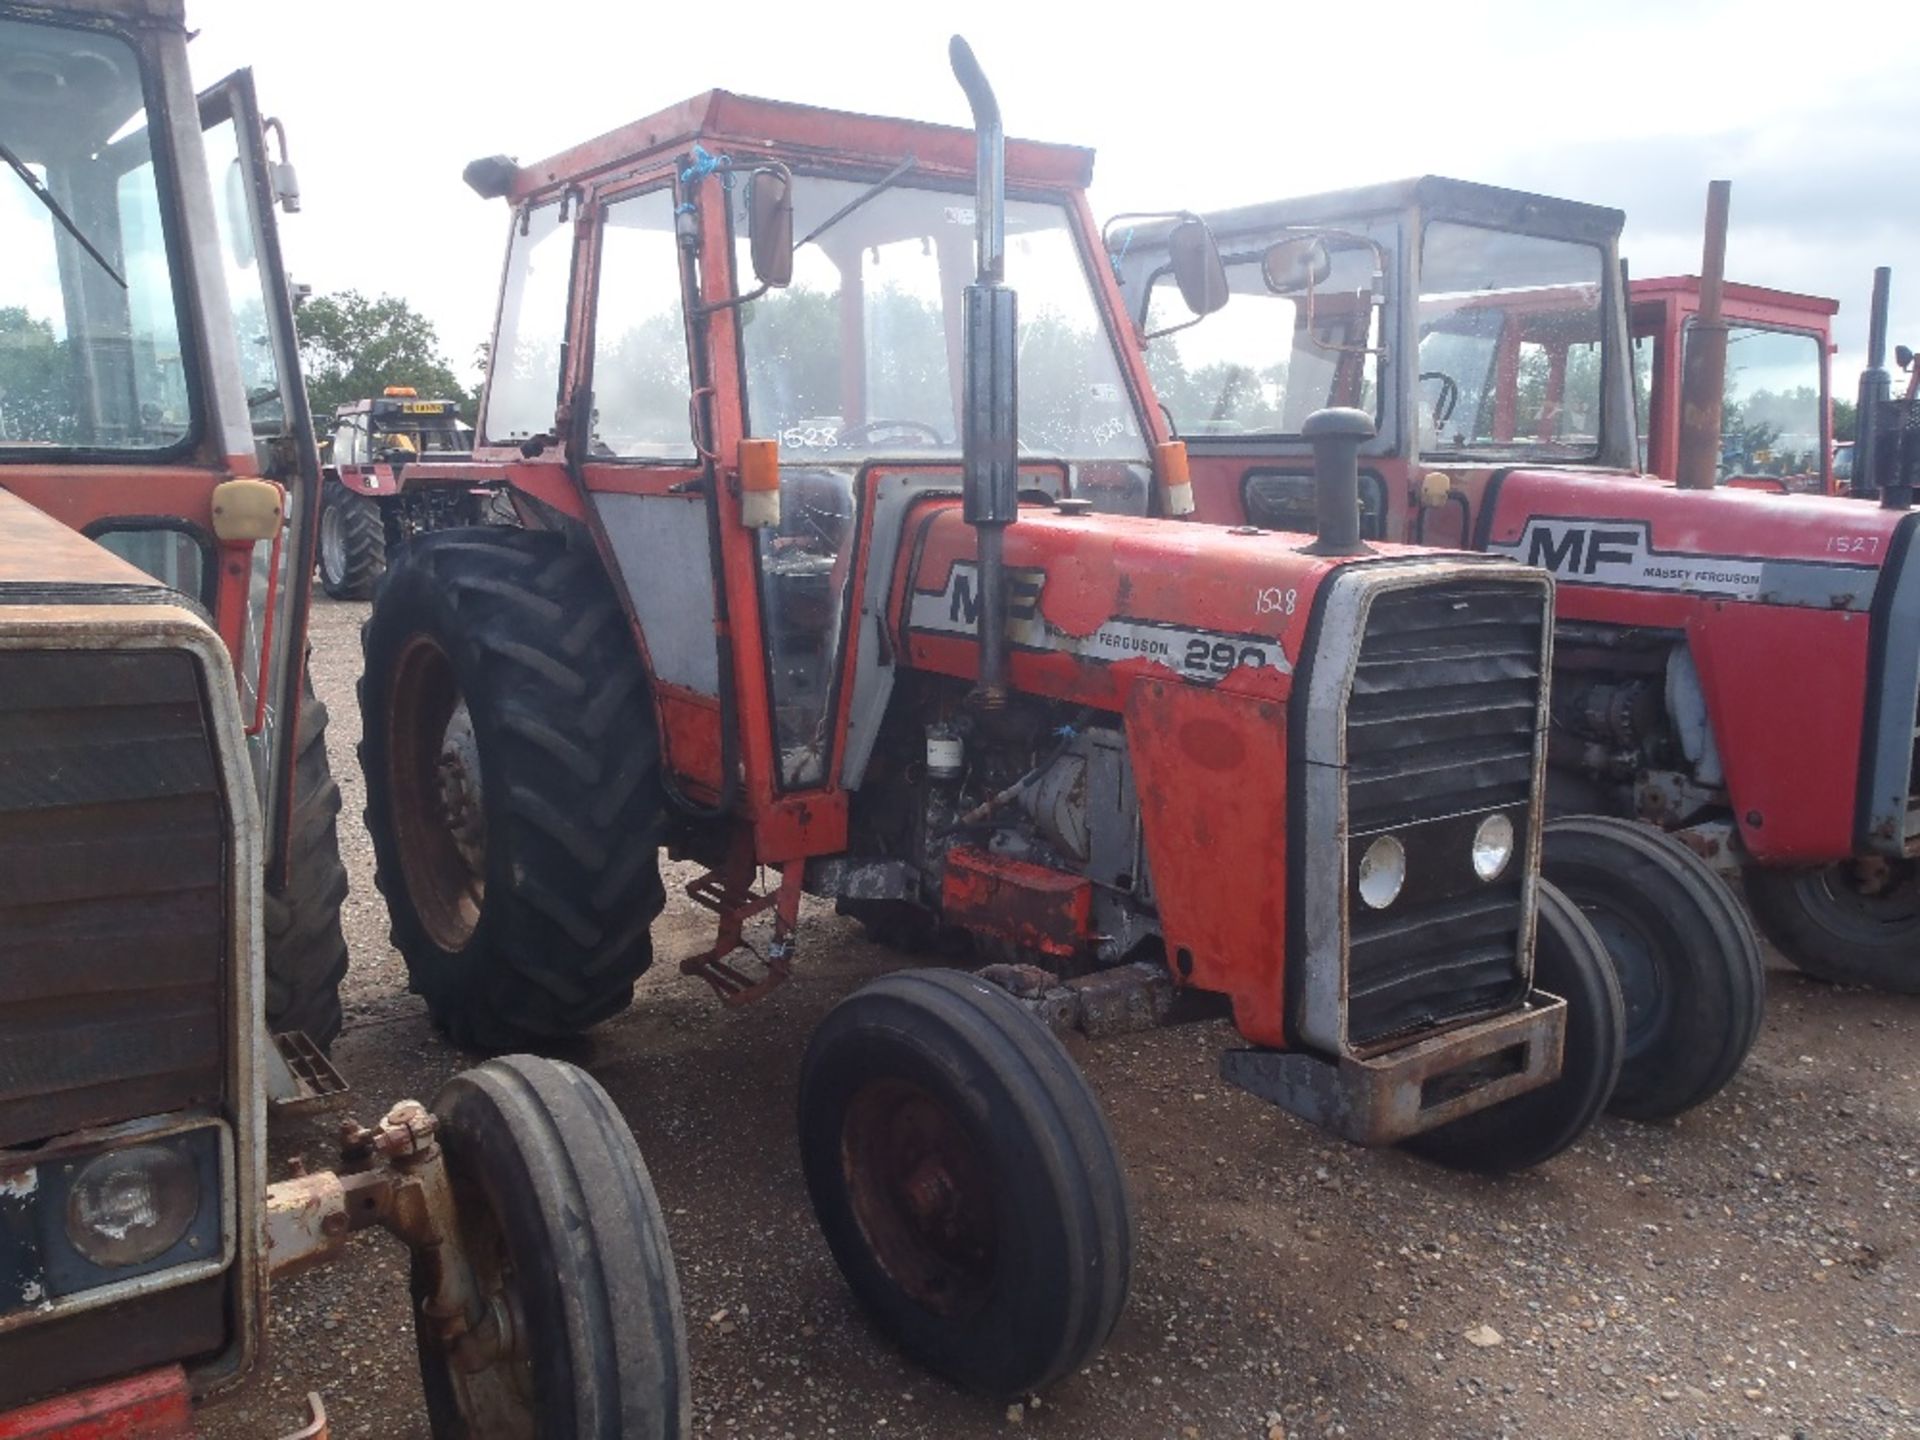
point(90, 352)
point(804, 567)
point(524, 378)
point(1510, 330)
point(246, 284)
point(640, 385)
point(860, 354)
point(172, 557)
point(1267, 361)
point(1770, 423)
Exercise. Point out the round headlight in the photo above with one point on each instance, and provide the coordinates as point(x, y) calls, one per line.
point(1383, 870)
point(128, 1206)
point(1492, 846)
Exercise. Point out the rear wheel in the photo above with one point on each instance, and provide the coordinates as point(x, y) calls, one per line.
point(1856, 923)
point(582, 1334)
point(1685, 954)
point(965, 1180)
point(353, 543)
point(1570, 961)
point(306, 953)
point(512, 784)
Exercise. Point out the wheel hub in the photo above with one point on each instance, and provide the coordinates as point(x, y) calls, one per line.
point(333, 543)
point(438, 804)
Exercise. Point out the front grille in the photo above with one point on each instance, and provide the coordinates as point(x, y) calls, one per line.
point(1440, 729)
point(112, 852)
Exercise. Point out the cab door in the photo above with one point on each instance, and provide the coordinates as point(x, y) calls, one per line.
point(271, 661)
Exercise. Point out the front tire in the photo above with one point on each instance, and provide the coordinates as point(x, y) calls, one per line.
point(1686, 956)
point(558, 1218)
point(306, 955)
point(513, 793)
point(965, 1180)
point(1848, 924)
point(1569, 960)
point(353, 543)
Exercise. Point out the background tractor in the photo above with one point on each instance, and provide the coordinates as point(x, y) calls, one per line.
point(372, 441)
point(169, 876)
point(799, 578)
point(1736, 668)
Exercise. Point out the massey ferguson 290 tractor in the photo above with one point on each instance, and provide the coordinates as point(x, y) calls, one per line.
point(169, 878)
point(1738, 668)
point(802, 579)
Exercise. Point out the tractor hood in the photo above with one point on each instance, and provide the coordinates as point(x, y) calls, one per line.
point(1097, 600)
point(1631, 532)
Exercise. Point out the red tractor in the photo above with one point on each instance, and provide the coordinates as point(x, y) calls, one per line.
point(372, 440)
point(1776, 425)
point(170, 882)
point(799, 578)
point(1739, 669)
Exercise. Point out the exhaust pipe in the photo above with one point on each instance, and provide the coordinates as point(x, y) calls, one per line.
point(1703, 374)
point(1876, 395)
point(1336, 435)
point(989, 427)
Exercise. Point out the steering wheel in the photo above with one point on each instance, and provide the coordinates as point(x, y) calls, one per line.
point(1448, 398)
point(852, 434)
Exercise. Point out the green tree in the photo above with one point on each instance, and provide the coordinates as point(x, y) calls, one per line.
point(352, 347)
point(1846, 417)
point(36, 398)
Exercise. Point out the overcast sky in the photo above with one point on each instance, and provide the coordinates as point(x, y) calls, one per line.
point(1808, 109)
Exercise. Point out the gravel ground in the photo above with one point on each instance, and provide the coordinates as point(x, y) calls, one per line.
point(1748, 1271)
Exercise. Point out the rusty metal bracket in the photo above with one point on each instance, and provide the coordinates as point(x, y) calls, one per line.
point(728, 892)
point(1118, 1001)
point(1389, 1097)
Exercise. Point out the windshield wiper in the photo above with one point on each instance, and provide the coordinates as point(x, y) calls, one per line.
point(883, 183)
point(55, 209)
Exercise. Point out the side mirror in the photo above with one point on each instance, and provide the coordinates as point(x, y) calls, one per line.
point(1197, 267)
point(1292, 266)
point(770, 225)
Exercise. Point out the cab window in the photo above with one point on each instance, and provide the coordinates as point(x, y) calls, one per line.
point(640, 384)
point(523, 388)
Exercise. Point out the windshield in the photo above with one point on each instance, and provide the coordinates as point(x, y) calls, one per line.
point(1510, 337)
point(860, 355)
point(90, 352)
point(1266, 361)
point(1770, 416)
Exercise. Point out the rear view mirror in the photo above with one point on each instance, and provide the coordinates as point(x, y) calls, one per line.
point(770, 225)
point(1197, 267)
point(1292, 266)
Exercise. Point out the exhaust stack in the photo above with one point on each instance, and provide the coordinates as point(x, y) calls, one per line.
point(1703, 374)
point(1876, 394)
point(1336, 435)
point(989, 429)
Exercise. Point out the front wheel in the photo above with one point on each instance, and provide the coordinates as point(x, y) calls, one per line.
point(584, 1335)
point(1855, 923)
point(353, 543)
point(1569, 960)
point(1686, 957)
point(965, 1180)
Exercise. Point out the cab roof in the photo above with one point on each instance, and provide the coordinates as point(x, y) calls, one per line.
point(1439, 197)
point(722, 121)
point(1688, 286)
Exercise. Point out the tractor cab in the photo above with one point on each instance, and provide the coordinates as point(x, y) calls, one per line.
point(1775, 418)
point(395, 427)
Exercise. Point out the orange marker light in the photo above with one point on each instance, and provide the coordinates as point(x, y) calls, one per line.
point(1170, 461)
point(760, 484)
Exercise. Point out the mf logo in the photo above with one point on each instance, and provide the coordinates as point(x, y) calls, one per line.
point(1581, 549)
point(1023, 595)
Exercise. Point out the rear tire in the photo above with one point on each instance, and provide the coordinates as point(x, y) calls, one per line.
point(306, 954)
point(513, 793)
point(965, 1180)
point(1570, 961)
point(558, 1217)
point(1686, 956)
point(1832, 927)
point(353, 543)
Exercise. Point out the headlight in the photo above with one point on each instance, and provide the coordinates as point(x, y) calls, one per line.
point(1383, 870)
point(128, 1206)
point(1492, 846)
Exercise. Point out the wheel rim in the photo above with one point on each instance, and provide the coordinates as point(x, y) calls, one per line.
point(333, 544)
point(1872, 900)
point(1635, 954)
point(922, 1196)
point(490, 1366)
point(438, 815)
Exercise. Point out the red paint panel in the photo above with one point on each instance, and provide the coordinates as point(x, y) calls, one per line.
point(1211, 768)
point(153, 1406)
point(1786, 690)
point(1026, 905)
point(691, 727)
